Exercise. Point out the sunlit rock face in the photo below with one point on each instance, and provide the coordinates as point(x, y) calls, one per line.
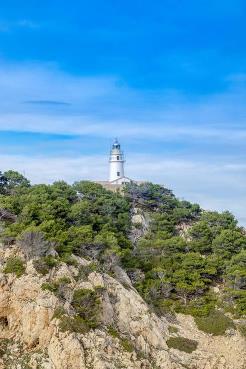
point(129, 335)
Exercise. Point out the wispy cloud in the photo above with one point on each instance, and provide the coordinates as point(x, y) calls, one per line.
point(99, 105)
point(8, 25)
point(46, 102)
point(46, 83)
point(87, 125)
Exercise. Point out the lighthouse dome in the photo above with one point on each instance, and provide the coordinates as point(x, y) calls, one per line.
point(116, 144)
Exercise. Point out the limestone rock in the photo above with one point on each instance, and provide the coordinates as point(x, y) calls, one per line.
point(31, 337)
point(66, 352)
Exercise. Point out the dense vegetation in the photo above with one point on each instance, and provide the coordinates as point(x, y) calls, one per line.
point(177, 264)
point(185, 254)
point(83, 219)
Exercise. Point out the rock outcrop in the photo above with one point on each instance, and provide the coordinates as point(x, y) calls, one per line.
point(130, 335)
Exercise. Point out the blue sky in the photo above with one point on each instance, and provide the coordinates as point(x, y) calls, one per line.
point(167, 77)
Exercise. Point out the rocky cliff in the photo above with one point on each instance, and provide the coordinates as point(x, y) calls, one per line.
point(38, 328)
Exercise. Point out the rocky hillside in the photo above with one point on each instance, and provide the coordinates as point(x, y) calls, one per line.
point(40, 326)
point(93, 279)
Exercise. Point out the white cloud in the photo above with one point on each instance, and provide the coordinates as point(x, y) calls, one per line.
point(88, 125)
point(102, 106)
point(30, 82)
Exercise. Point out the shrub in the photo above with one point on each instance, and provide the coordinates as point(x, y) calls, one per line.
point(215, 323)
point(59, 312)
point(85, 270)
point(57, 286)
point(64, 280)
point(69, 260)
point(200, 306)
point(73, 324)
point(113, 332)
point(43, 265)
point(14, 265)
point(87, 305)
point(182, 344)
point(52, 287)
point(164, 306)
point(242, 329)
point(172, 329)
point(127, 345)
point(70, 323)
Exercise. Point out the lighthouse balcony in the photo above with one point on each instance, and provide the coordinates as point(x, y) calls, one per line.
point(117, 158)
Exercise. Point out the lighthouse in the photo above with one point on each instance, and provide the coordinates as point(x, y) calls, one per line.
point(117, 178)
point(116, 162)
point(116, 165)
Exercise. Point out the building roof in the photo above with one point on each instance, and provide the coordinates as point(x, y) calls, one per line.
point(120, 178)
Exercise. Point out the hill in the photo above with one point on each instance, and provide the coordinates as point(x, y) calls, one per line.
point(95, 279)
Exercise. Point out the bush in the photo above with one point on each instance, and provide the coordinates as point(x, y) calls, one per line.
point(43, 265)
point(69, 260)
point(242, 329)
point(57, 287)
point(73, 324)
point(59, 312)
point(172, 329)
point(14, 265)
point(127, 345)
point(164, 306)
point(182, 344)
point(64, 280)
point(113, 332)
point(52, 287)
point(85, 270)
point(200, 306)
point(215, 323)
point(87, 305)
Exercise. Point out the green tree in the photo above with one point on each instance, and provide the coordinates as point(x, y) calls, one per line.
point(236, 271)
point(79, 237)
point(219, 221)
point(202, 237)
point(3, 182)
point(14, 180)
point(228, 243)
point(235, 278)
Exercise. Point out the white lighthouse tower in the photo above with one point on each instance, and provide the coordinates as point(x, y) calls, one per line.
point(116, 165)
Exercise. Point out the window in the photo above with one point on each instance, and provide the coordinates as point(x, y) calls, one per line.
point(118, 174)
point(118, 158)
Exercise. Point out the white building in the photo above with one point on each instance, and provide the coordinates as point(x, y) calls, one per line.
point(116, 165)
